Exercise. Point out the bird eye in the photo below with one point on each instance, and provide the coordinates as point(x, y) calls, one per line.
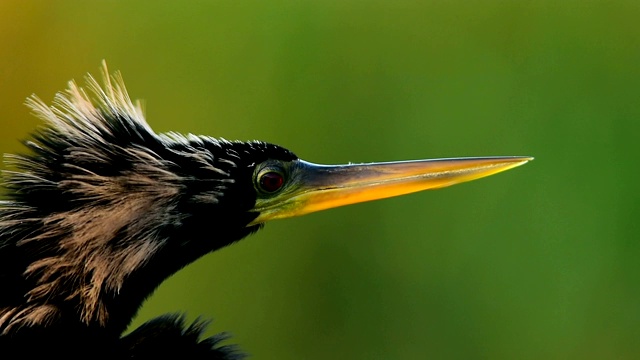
point(270, 181)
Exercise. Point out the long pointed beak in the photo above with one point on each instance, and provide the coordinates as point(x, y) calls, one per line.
point(311, 187)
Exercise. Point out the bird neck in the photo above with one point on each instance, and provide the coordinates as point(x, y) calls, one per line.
point(102, 280)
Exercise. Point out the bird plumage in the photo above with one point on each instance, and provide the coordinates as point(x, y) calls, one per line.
point(103, 209)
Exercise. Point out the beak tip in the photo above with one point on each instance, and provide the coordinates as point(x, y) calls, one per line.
point(526, 159)
point(517, 160)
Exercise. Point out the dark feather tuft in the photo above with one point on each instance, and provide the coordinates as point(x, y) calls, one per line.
point(169, 336)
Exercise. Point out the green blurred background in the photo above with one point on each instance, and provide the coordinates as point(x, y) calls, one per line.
point(539, 262)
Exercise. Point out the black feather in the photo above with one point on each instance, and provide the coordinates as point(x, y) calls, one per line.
point(168, 336)
point(101, 211)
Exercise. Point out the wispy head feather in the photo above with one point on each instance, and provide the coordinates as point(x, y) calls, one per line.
point(91, 222)
point(90, 115)
point(96, 200)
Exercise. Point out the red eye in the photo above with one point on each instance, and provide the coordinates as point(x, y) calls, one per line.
point(271, 181)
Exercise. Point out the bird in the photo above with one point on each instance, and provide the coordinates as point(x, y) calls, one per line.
point(100, 210)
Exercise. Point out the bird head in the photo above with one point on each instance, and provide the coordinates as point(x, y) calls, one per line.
point(103, 209)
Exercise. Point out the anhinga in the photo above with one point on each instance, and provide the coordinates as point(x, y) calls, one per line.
point(103, 209)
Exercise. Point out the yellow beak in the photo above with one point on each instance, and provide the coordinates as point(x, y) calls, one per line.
point(311, 187)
